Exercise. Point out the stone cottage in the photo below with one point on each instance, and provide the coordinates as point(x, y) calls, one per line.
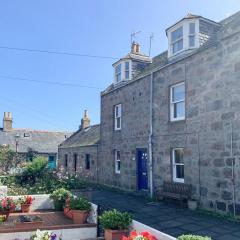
point(176, 117)
point(79, 153)
point(28, 143)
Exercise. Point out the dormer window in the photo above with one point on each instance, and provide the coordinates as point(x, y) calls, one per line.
point(183, 36)
point(122, 71)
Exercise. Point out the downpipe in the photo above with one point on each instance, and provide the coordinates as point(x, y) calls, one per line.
point(150, 138)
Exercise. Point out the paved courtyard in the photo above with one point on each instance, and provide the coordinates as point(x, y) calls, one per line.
point(168, 218)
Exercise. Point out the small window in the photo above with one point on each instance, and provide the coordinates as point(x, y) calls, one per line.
point(118, 70)
point(191, 34)
point(177, 102)
point(117, 117)
point(126, 70)
point(87, 161)
point(66, 160)
point(177, 40)
point(26, 135)
point(117, 161)
point(178, 165)
point(75, 157)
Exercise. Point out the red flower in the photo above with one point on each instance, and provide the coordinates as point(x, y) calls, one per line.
point(145, 235)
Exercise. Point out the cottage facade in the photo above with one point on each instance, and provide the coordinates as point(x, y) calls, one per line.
point(79, 153)
point(178, 118)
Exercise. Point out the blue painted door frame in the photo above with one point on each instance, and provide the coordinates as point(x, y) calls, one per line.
point(142, 170)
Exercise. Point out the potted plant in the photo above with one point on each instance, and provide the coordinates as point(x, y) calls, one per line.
point(7, 205)
point(115, 224)
point(139, 236)
point(59, 197)
point(80, 208)
point(192, 237)
point(26, 203)
point(192, 204)
point(67, 211)
point(44, 235)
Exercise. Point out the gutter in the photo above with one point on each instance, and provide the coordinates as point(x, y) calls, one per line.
point(150, 152)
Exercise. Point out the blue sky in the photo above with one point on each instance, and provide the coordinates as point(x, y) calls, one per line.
point(95, 27)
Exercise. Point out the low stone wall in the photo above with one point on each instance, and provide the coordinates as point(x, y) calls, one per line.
point(140, 227)
point(67, 234)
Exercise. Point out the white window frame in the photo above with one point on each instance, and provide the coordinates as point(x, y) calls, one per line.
point(117, 160)
point(117, 115)
point(118, 73)
point(186, 27)
point(123, 71)
point(191, 34)
point(174, 166)
point(172, 118)
point(177, 40)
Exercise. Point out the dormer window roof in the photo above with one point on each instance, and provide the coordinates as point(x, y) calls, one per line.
point(189, 33)
point(123, 68)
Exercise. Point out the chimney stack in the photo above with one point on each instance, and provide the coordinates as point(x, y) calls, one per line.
point(85, 122)
point(7, 121)
point(135, 48)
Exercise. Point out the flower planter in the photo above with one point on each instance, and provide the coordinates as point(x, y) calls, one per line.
point(192, 204)
point(25, 208)
point(79, 216)
point(114, 234)
point(5, 213)
point(68, 212)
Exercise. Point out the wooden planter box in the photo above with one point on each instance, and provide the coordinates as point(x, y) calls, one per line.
point(114, 234)
point(27, 225)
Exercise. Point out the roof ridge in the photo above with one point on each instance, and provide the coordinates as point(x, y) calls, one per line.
point(42, 131)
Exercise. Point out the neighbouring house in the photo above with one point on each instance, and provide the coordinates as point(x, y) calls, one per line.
point(79, 153)
point(175, 117)
point(28, 143)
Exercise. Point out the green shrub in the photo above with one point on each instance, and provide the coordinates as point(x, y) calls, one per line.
point(115, 220)
point(59, 197)
point(192, 237)
point(79, 204)
point(33, 170)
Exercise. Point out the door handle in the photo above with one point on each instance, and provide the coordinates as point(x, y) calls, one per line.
point(144, 174)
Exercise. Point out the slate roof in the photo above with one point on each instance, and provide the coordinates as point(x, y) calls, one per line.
point(40, 141)
point(228, 26)
point(82, 138)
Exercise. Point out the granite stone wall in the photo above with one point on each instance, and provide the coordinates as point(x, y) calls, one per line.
point(90, 174)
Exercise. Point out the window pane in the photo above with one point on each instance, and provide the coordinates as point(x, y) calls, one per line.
point(177, 34)
point(178, 155)
point(116, 111)
point(118, 166)
point(118, 72)
point(177, 46)
point(179, 110)
point(126, 66)
point(178, 93)
point(118, 155)
point(192, 28)
point(191, 41)
point(118, 122)
point(180, 171)
point(127, 74)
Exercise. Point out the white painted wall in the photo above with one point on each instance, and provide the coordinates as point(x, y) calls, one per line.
point(140, 227)
point(67, 234)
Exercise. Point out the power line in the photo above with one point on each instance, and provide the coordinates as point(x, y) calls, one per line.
point(58, 53)
point(47, 82)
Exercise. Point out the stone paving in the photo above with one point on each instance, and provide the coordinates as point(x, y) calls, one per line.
point(168, 218)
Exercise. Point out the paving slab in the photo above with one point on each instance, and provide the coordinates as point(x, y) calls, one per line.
point(167, 217)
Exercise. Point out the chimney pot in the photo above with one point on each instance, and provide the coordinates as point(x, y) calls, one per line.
point(85, 122)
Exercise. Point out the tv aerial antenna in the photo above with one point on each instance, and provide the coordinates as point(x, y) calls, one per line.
point(133, 35)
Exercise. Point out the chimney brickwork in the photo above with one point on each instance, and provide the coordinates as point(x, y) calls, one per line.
point(85, 122)
point(7, 121)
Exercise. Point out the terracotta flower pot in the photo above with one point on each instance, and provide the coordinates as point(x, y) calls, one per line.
point(5, 213)
point(25, 208)
point(114, 234)
point(68, 212)
point(79, 216)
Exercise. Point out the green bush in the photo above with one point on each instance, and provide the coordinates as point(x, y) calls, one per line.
point(192, 237)
point(59, 197)
point(79, 204)
point(115, 220)
point(33, 170)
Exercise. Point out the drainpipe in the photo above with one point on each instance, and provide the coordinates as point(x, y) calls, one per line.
point(150, 138)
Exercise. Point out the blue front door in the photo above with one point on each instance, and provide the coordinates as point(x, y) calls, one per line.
point(142, 169)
